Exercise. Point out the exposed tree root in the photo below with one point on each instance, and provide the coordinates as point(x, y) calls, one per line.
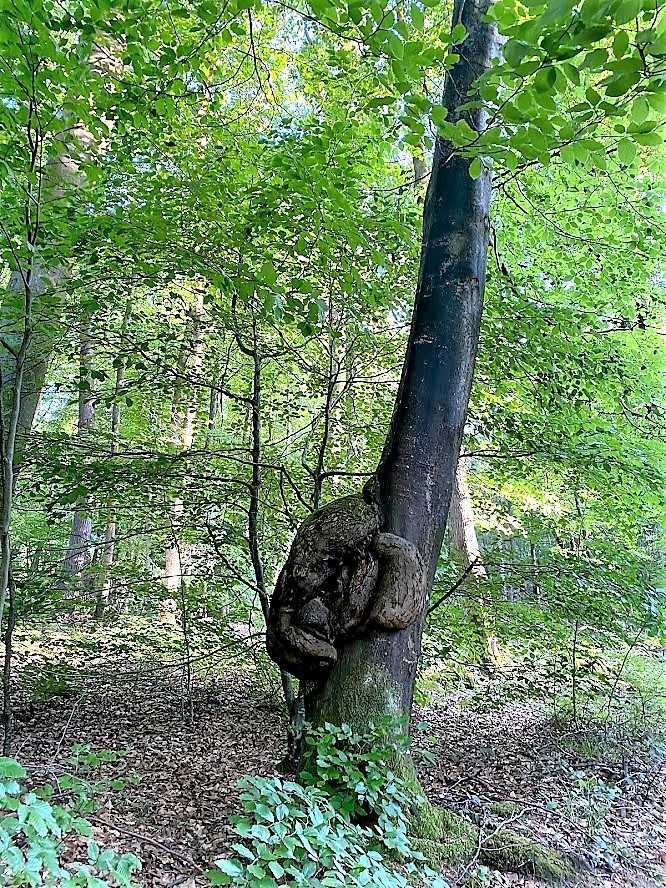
point(445, 838)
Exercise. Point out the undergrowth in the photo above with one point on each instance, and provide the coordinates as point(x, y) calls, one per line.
point(344, 824)
point(41, 829)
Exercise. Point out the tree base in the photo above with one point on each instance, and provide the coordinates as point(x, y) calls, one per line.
point(442, 837)
point(448, 839)
point(445, 838)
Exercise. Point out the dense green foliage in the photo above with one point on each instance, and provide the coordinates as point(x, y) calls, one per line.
point(345, 823)
point(33, 828)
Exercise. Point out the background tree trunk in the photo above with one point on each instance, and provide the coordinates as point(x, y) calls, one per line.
point(465, 545)
point(109, 552)
point(77, 556)
point(375, 674)
point(464, 541)
point(183, 436)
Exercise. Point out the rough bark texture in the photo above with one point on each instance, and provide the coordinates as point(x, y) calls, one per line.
point(327, 591)
point(374, 674)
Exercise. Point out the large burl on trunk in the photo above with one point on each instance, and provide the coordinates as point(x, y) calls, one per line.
point(329, 592)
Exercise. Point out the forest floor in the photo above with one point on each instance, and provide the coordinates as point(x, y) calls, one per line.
point(599, 800)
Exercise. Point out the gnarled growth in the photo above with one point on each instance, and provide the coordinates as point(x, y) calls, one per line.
point(329, 590)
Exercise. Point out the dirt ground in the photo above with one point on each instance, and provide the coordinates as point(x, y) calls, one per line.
point(602, 804)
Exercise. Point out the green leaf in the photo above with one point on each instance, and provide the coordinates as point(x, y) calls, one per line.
point(268, 274)
point(618, 86)
point(514, 51)
point(545, 79)
point(228, 867)
point(459, 33)
point(626, 11)
point(417, 17)
point(439, 114)
point(640, 109)
point(653, 139)
point(10, 768)
point(657, 101)
point(475, 168)
point(620, 44)
point(626, 151)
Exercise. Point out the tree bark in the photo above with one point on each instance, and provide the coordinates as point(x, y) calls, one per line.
point(183, 436)
point(77, 556)
point(7, 707)
point(464, 540)
point(34, 291)
point(104, 589)
point(374, 675)
point(465, 544)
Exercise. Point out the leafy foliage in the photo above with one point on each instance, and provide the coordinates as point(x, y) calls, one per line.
point(344, 824)
point(34, 830)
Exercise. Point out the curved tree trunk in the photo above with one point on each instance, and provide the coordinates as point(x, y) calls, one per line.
point(374, 674)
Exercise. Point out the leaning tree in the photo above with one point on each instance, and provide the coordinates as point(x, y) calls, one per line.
point(348, 608)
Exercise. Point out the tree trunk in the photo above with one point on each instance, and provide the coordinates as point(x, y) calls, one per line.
point(464, 540)
point(183, 436)
point(104, 589)
point(465, 544)
point(374, 674)
point(7, 707)
point(35, 290)
point(77, 556)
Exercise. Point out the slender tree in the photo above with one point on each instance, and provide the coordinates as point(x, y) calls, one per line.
point(465, 546)
point(77, 555)
point(109, 551)
point(183, 421)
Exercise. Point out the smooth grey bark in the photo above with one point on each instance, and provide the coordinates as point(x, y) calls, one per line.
point(28, 319)
point(77, 556)
point(374, 675)
point(465, 544)
point(183, 420)
point(464, 540)
point(109, 546)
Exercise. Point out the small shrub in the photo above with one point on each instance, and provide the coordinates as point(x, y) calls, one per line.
point(48, 680)
point(33, 831)
point(343, 825)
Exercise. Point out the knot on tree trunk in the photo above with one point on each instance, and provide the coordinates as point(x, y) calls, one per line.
point(342, 575)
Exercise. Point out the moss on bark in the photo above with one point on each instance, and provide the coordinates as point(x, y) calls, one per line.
point(361, 691)
point(354, 694)
point(513, 852)
point(441, 836)
point(445, 838)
